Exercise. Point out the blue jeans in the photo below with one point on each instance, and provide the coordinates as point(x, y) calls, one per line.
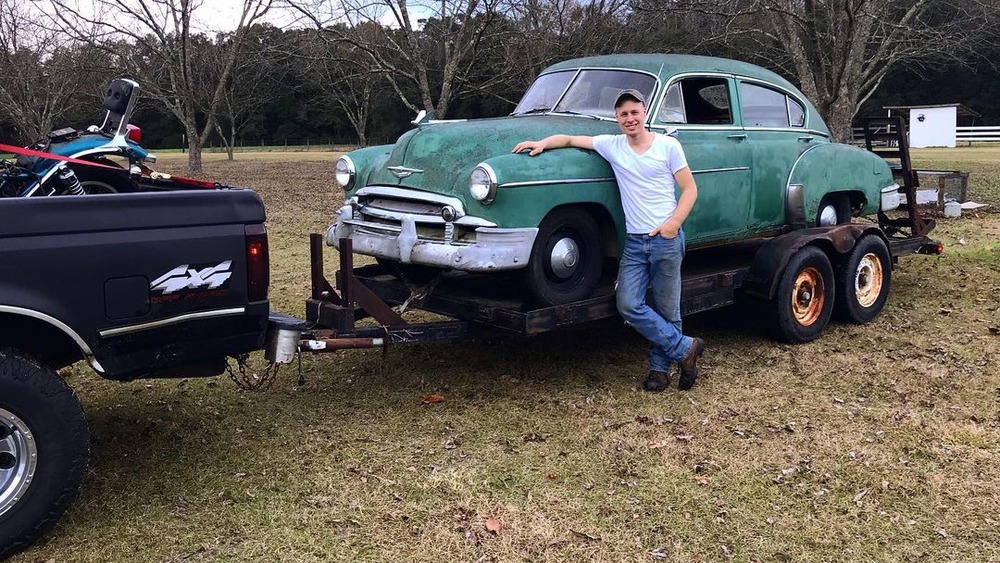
point(654, 261)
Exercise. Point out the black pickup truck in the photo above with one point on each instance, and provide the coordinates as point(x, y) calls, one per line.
point(138, 285)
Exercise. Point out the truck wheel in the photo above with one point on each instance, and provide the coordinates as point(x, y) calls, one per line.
point(566, 261)
point(44, 448)
point(863, 282)
point(804, 301)
point(834, 209)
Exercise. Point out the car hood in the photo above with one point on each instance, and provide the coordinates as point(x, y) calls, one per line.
point(441, 156)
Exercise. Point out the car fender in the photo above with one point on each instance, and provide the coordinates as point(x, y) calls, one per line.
point(834, 168)
point(366, 161)
point(555, 179)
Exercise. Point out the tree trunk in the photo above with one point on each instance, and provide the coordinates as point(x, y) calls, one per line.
point(194, 150)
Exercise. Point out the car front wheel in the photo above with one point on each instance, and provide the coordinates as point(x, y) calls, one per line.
point(44, 448)
point(565, 263)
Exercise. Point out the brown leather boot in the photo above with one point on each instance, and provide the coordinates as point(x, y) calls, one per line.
point(656, 381)
point(689, 365)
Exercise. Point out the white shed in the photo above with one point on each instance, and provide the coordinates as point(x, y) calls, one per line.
point(933, 125)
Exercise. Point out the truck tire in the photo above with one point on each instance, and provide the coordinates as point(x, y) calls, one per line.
point(566, 261)
point(863, 281)
point(834, 209)
point(44, 449)
point(804, 301)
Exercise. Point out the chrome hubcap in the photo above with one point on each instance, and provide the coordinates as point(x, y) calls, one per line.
point(18, 458)
point(564, 258)
point(828, 216)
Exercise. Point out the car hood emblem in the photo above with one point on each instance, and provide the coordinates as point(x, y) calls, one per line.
point(403, 172)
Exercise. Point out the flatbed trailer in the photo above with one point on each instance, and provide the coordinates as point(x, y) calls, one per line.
point(471, 303)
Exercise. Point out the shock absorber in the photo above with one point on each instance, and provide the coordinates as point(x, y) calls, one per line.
point(71, 184)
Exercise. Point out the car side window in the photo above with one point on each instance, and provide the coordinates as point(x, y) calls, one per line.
point(796, 112)
point(764, 107)
point(697, 100)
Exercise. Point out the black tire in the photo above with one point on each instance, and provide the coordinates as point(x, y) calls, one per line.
point(834, 209)
point(804, 301)
point(103, 181)
point(863, 281)
point(415, 273)
point(44, 449)
point(566, 261)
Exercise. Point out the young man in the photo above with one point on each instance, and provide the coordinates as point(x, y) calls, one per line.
point(647, 167)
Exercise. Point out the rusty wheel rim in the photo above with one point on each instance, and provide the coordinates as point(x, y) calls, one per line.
point(868, 280)
point(808, 296)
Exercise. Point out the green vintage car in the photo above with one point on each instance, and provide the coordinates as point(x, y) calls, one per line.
point(451, 195)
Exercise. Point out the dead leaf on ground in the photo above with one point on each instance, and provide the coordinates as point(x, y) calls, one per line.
point(432, 398)
point(684, 437)
point(585, 535)
point(702, 480)
point(493, 524)
point(660, 444)
point(533, 437)
point(944, 311)
point(859, 496)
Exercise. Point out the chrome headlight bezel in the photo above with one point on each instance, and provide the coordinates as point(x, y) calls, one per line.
point(483, 183)
point(344, 172)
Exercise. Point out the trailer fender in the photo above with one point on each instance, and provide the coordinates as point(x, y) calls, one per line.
point(770, 260)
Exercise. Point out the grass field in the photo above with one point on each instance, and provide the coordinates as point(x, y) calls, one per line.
point(873, 443)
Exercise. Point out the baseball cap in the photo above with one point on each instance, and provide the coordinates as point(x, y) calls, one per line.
point(630, 93)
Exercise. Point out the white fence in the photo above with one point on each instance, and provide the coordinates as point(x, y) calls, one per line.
point(982, 133)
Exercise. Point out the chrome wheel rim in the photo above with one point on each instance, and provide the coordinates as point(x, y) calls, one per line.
point(828, 216)
point(564, 258)
point(18, 459)
point(868, 280)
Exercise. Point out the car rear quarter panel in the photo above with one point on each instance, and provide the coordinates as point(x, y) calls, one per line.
point(835, 167)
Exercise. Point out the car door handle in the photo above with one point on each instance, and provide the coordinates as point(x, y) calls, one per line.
point(740, 137)
point(806, 138)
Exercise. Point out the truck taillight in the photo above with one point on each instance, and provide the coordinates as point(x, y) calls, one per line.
point(258, 263)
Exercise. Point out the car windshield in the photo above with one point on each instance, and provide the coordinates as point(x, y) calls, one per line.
point(592, 92)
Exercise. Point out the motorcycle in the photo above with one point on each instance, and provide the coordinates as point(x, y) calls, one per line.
point(101, 159)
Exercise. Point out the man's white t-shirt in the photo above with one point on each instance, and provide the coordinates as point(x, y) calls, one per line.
point(646, 181)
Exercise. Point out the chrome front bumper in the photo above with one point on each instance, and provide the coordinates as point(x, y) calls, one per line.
point(494, 248)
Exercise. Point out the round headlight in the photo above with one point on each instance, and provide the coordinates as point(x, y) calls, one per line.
point(344, 172)
point(483, 183)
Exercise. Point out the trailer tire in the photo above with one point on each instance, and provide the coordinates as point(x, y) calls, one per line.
point(44, 450)
point(863, 281)
point(566, 261)
point(805, 297)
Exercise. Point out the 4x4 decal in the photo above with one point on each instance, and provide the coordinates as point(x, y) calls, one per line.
point(193, 277)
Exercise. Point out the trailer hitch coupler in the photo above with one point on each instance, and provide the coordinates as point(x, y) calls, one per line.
point(282, 345)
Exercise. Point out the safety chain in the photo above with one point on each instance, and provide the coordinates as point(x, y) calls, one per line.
point(416, 293)
point(249, 379)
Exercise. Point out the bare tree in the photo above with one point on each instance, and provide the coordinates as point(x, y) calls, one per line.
point(46, 76)
point(341, 73)
point(841, 50)
point(422, 49)
point(256, 80)
point(156, 40)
